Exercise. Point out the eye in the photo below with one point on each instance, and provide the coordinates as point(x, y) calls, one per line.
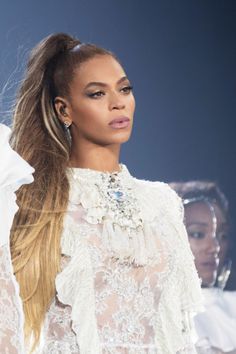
point(127, 89)
point(96, 94)
point(196, 234)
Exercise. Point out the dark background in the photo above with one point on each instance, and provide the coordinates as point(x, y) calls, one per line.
point(180, 56)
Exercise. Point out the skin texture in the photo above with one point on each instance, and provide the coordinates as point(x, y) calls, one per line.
point(90, 109)
point(205, 230)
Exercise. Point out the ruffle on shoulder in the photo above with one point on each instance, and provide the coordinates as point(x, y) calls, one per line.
point(14, 171)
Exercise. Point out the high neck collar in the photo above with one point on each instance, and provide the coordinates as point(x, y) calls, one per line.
point(90, 174)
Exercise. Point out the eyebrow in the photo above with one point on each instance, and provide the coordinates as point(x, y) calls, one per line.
point(196, 223)
point(102, 84)
point(224, 223)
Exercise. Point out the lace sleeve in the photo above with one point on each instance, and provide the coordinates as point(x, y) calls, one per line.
point(11, 313)
point(181, 298)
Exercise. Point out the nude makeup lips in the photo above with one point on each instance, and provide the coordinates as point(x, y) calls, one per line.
point(120, 123)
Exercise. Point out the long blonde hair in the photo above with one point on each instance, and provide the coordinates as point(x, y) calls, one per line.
point(39, 137)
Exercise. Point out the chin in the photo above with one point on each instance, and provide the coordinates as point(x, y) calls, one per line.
point(208, 282)
point(122, 137)
point(122, 141)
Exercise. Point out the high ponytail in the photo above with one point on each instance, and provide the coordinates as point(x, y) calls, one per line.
point(39, 137)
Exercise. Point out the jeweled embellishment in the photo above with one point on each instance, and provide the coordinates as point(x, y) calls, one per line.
point(117, 195)
point(114, 189)
point(107, 196)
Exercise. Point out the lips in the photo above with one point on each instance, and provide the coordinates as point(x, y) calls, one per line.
point(211, 265)
point(120, 123)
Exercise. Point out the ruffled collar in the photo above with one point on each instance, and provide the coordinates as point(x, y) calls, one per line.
point(95, 175)
point(106, 196)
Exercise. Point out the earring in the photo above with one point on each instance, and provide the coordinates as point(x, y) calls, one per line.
point(67, 124)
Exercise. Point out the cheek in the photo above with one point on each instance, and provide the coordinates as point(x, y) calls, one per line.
point(88, 115)
point(223, 251)
point(197, 248)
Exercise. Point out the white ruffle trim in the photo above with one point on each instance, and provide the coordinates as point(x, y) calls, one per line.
point(75, 287)
point(138, 250)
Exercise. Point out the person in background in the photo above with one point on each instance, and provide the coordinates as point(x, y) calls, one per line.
point(207, 223)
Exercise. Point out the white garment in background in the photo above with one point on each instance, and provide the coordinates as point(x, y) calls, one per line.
point(14, 172)
point(218, 322)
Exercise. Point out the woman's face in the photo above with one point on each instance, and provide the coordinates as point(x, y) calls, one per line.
point(206, 225)
point(101, 103)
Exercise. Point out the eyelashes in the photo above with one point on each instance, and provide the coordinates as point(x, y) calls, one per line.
point(196, 234)
point(201, 235)
point(95, 95)
point(127, 89)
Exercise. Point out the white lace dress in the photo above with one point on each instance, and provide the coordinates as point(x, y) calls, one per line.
point(128, 284)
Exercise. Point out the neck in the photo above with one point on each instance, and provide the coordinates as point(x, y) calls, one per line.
point(95, 157)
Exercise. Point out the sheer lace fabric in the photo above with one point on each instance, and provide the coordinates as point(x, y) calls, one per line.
point(124, 299)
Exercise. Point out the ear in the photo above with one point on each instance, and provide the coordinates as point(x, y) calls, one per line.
point(62, 108)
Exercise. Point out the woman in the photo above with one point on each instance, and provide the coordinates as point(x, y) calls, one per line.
point(207, 224)
point(13, 173)
point(92, 247)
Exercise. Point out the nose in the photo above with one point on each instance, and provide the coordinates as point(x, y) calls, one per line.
point(213, 245)
point(116, 102)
